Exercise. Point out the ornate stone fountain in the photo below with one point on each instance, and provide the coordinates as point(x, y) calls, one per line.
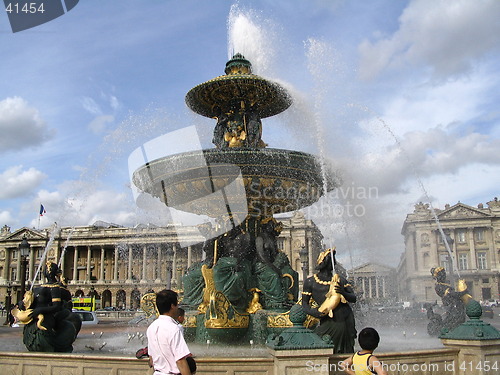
point(244, 286)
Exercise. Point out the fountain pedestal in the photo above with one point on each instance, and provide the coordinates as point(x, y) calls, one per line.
point(478, 342)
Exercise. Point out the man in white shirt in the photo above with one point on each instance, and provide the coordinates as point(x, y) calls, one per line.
point(166, 345)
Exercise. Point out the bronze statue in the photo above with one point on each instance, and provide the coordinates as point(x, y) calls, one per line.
point(332, 294)
point(270, 267)
point(453, 303)
point(50, 324)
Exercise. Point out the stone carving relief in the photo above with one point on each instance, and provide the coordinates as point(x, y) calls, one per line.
point(461, 212)
point(422, 208)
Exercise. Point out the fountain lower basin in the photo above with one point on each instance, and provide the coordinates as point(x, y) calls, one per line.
point(261, 181)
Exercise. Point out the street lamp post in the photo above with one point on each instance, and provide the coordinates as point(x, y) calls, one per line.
point(24, 250)
point(170, 259)
point(304, 259)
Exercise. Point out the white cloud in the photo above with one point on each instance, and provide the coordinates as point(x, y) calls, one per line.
point(91, 106)
point(98, 124)
point(17, 182)
point(447, 36)
point(433, 152)
point(6, 218)
point(21, 126)
point(113, 102)
point(69, 206)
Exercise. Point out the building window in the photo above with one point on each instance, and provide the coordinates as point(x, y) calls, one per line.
point(479, 234)
point(15, 254)
point(281, 244)
point(13, 274)
point(481, 261)
point(462, 262)
point(443, 261)
point(486, 281)
point(461, 235)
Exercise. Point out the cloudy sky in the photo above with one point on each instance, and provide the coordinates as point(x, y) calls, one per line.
point(402, 97)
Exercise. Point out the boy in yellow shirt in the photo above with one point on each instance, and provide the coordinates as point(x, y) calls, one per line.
point(364, 362)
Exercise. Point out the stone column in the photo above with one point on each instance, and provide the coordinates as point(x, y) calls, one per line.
point(101, 268)
point(115, 269)
point(190, 256)
point(6, 272)
point(129, 270)
point(144, 263)
point(175, 261)
point(158, 264)
point(376, 287)
point(18, 266)
point(472, 245)
point(312, 262)
point(370, 289)
point(490, 240)
point(89, 254)
point(75, 266)
point(31, 267)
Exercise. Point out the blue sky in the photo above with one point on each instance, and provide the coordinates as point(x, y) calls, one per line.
point(390, 92)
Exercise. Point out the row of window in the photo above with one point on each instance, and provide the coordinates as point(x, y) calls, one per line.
point(463, 261)
point(460, 235)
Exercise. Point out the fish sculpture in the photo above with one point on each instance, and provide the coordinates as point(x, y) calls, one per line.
point(333, 298)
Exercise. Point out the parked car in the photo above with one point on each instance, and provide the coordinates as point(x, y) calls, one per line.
point(87, 317)
point(108, 308)
point(488, 312)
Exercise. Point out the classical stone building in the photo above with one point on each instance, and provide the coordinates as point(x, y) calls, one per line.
point(118, 264)
point(374, 282)
point(474, 240)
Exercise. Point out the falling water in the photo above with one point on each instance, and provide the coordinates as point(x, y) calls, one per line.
point(63, 251)
point(321, 63)
point(420, 184)
point(52, 236)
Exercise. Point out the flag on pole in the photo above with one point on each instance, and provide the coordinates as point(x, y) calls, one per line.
point(42, 210)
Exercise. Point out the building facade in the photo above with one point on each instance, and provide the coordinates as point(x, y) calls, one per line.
point(118, 265)
point(471, 251)
point(374, 283)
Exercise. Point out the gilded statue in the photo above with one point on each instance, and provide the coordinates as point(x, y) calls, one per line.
point(332, 295)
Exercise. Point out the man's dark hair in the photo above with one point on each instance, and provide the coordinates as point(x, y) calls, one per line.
point(368, 338)
point(165, 299)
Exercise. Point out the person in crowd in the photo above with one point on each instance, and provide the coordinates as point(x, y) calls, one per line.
point(167, 349)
